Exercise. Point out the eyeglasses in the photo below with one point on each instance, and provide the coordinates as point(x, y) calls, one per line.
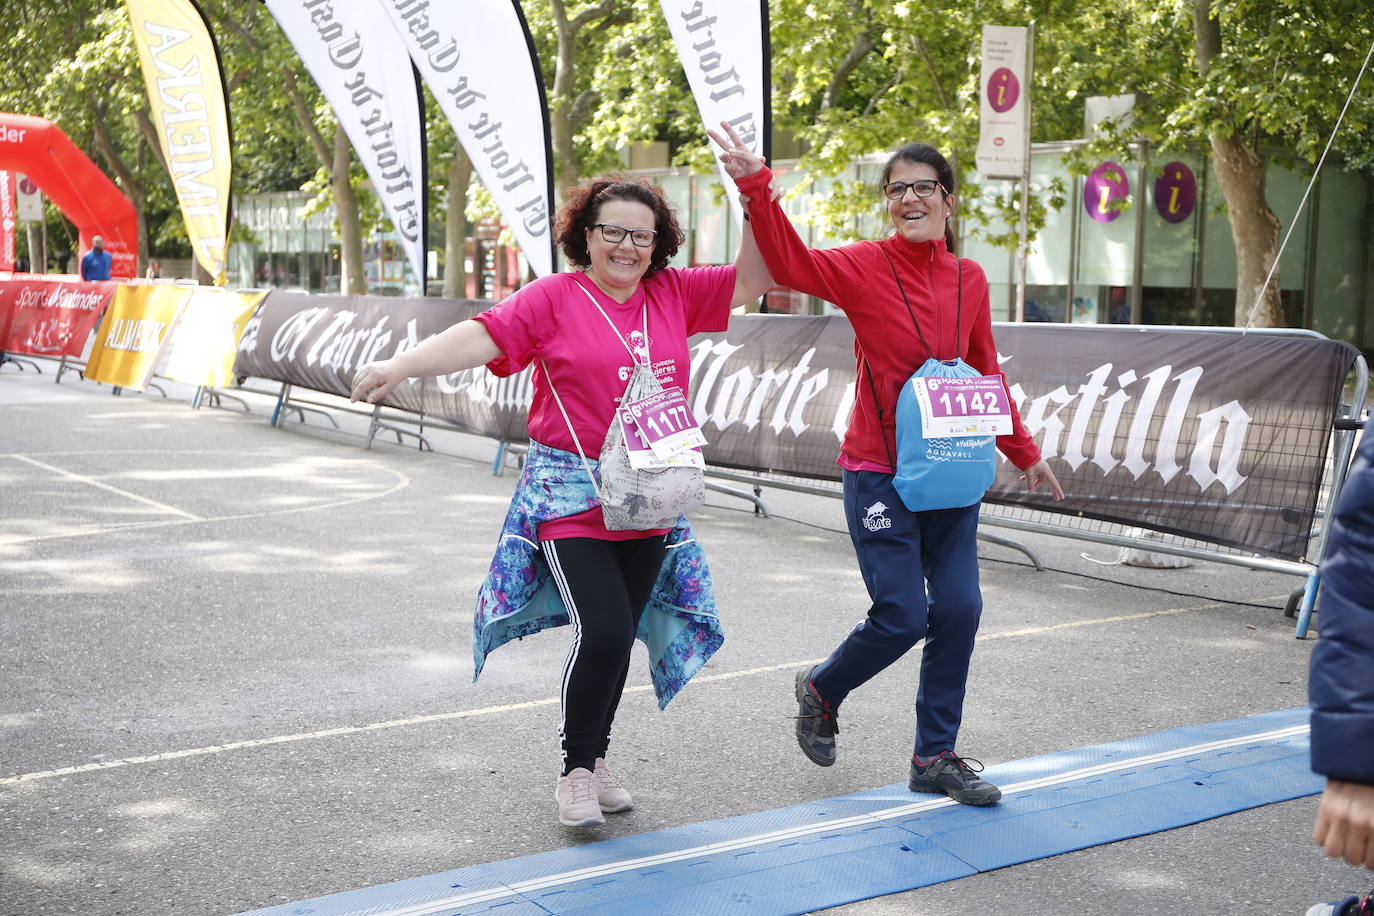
point(924, 187)
point(641, 238)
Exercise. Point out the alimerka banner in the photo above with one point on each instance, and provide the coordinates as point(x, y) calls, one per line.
point(479, 61)
point(186, 100)
point(1217, 436)
point(361, 65)
point(50, 318)
point(723, 46)
point(131, 340)
point(205, 344)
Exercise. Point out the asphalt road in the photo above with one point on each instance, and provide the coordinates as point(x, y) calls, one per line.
point(199, 612)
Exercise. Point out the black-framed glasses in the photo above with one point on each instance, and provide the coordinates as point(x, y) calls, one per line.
point(640, 238)
point(924, 187)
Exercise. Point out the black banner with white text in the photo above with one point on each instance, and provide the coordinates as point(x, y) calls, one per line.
point(1217, 436)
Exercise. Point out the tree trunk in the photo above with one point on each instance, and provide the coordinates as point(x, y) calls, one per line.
point(352, 282)
point(38, 249)
point(561, 125)
point(1240, 172)
point(568, 111)
point(133, 188)
point(1254, 229)
point(456, 226)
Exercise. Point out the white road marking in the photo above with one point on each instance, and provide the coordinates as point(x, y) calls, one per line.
point(91, 481)
point(513, 707)
point(402, 481)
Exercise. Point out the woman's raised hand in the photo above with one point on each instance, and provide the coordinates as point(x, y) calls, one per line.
point(739, 160)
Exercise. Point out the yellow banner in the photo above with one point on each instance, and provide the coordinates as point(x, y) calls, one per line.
point(187, 101)
point(136, 327)
point(207, 337)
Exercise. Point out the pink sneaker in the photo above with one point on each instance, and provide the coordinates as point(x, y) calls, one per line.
point(576, 795)
point(610, 794)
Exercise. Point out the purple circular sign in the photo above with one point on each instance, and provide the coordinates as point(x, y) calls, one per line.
point(1176, 193)
point(27, 186)
point(1107, 183)
point(1003, 89)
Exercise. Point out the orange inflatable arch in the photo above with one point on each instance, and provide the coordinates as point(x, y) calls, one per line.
point(74, 183)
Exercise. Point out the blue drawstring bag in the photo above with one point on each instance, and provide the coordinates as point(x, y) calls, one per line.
point(944, 473)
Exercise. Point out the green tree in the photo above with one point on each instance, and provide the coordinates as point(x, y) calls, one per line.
point(1248, 80)
point(264, 56)
point(76, 66)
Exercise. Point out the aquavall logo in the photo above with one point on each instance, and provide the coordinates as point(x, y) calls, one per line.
point(874, 519)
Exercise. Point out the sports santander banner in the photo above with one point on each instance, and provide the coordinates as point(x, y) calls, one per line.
point(207, 337)
point(721, 44)
point(8, 220)
point(186, 99)
point(479, 62)
point(362, 67)
point(1210, 435)
point(1003, 103)
point(131, 340)
point(48, 317)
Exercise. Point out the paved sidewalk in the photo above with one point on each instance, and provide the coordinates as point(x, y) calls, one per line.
point(235, 665)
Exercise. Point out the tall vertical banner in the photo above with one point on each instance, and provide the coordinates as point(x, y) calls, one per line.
point(1003, 103)
point(186, 98)
point(478, 61)
point(8, 222)
point(361, 65)
point(723, 48)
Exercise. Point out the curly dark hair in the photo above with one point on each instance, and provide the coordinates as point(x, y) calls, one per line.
point(582, 203)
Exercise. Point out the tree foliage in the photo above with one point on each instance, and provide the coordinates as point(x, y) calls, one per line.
point(1260, 78)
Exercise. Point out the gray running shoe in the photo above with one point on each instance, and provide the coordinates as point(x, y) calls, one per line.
point(956, 777)
point(817, 723)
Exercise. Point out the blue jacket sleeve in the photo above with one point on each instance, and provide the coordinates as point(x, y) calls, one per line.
point(1341, 680)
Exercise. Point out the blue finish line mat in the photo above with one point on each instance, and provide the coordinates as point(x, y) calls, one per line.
point(883, 841)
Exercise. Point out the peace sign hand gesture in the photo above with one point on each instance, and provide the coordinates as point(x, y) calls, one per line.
point(739, 160)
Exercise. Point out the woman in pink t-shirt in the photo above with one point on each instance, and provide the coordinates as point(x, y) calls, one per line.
point(588, 327)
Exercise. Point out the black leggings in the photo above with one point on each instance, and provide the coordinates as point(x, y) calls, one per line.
point(605, 585)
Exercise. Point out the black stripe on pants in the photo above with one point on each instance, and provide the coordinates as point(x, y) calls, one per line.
point(605, 585)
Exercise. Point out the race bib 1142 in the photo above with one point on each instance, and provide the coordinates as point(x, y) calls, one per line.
point(972, 406)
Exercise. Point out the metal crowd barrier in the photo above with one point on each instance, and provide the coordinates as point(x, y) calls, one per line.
point(1346, 425)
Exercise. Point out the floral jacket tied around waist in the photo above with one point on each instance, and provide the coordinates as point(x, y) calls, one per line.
point(679, 626)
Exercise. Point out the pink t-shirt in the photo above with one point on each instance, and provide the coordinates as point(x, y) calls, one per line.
point(554, 321)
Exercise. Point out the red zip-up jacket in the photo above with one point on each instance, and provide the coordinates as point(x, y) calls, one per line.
point(857, 278)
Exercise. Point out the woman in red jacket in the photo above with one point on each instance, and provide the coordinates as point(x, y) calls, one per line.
point(908, 298)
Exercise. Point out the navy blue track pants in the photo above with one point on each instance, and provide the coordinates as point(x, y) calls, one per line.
point(921, 570)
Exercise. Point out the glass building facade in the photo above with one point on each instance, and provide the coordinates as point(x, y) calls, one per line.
point(1164, 257)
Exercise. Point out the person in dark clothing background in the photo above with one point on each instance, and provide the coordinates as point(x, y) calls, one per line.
point(1341, 684)
point(96, 263)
